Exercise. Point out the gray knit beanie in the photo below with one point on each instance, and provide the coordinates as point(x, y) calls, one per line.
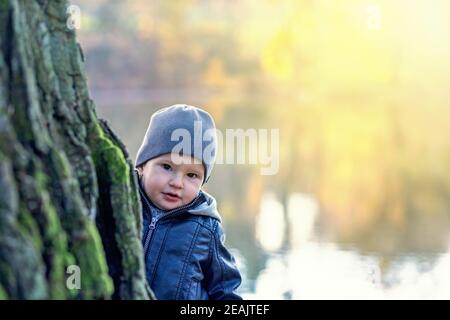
point(181, 129)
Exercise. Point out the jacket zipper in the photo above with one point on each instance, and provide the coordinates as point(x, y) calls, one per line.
point(150, 228)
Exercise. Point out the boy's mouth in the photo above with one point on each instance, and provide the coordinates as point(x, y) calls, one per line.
point(171, 196)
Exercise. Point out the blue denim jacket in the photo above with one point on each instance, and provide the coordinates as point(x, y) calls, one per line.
point(184, 252)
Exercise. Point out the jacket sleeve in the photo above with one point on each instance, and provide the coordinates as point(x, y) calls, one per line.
point(222, 275)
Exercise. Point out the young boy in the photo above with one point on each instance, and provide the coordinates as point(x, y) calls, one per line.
point(183, 238)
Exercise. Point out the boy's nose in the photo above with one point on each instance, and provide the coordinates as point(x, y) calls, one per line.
point(176, 181)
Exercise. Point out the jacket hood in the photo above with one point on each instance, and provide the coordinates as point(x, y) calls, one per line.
point(206, 208)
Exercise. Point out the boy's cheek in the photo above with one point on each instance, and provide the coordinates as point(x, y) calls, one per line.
point(149, 185)
point(194, 184)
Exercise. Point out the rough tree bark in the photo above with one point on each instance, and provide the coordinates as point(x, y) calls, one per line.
point(67, 191)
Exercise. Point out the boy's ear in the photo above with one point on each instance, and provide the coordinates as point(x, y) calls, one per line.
point(140, 169)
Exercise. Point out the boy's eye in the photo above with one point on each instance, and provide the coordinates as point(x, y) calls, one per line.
point(192, 175)
point(166, 166)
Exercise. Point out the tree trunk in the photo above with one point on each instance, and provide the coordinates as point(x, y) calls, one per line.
point(67, 191)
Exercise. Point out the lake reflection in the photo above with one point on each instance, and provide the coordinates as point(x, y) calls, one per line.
point(313, 269)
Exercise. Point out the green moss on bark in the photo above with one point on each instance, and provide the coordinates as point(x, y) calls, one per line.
point(3, 295)
point(95, 282)
point(28, 225)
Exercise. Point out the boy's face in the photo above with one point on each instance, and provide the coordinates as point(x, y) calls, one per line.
point(172, 180)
